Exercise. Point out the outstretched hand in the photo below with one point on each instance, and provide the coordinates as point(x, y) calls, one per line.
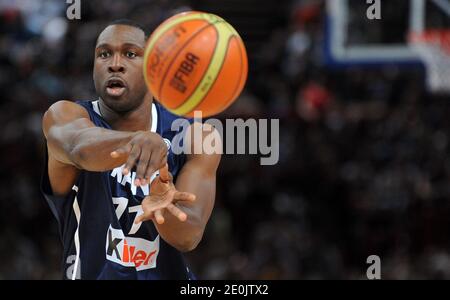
point(163, 196)
point(146, 151)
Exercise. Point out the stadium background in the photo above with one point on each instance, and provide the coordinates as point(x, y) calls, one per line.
point(363, 169)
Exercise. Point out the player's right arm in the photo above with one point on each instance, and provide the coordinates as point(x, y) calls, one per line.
point(74, 143)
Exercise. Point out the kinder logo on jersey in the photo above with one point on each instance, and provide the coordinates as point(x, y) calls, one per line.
point(131, 252)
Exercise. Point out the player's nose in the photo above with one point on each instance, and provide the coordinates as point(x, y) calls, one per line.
point(116, 65)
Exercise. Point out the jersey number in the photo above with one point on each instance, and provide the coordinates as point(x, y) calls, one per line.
point(122, 203)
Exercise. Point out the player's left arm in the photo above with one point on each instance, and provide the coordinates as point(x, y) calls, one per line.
point(184, 220)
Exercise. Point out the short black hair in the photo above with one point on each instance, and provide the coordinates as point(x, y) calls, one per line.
point(132, 23)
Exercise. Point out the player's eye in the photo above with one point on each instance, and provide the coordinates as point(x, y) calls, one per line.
point(104, 54)
point(131, 54)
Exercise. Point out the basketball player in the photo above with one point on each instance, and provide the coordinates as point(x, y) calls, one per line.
point(126, 205)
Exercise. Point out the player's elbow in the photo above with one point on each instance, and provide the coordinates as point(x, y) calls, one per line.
point(79, 155)
point(190, 242)
point(187, 246)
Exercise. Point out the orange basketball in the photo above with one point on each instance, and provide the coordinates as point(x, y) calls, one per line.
point(195, 61)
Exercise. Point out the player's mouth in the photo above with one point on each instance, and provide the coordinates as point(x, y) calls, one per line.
point(115, 87)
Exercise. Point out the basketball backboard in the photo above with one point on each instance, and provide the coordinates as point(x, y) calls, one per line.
point(353, 38)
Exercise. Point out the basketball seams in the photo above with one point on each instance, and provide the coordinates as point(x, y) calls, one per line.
point(163, 79)
point(241, 52)
point(220, 70)
point(233, 30)
point(241, 74)
point(207, 83)
point(159, 33)
point(193, 101)
point(236, 88)
point(169, 24)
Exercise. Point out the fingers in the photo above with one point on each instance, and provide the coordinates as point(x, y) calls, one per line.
point(164, 173)
point(144, 217)
point(132, 158)
point(159, 216)
point(177, 212)
point(156, 161)
point(141, 168)
point(184, 196)
point(147, 151)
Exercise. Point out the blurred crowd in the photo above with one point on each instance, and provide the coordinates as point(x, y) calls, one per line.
point(363, 164)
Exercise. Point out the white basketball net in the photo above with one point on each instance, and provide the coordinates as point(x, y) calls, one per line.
point(433, 47)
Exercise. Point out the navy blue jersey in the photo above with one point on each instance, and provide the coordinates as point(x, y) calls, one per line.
point(96, 219)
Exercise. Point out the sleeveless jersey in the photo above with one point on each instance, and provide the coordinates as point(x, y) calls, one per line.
point(96, 219)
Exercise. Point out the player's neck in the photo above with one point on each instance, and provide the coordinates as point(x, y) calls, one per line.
point(135, 120)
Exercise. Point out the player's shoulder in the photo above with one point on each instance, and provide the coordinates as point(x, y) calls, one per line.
point(64, 110)
point(66, 106)
point(168, 119)
point(165, 114)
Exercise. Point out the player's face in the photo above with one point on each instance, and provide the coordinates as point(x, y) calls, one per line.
point(118, 75)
